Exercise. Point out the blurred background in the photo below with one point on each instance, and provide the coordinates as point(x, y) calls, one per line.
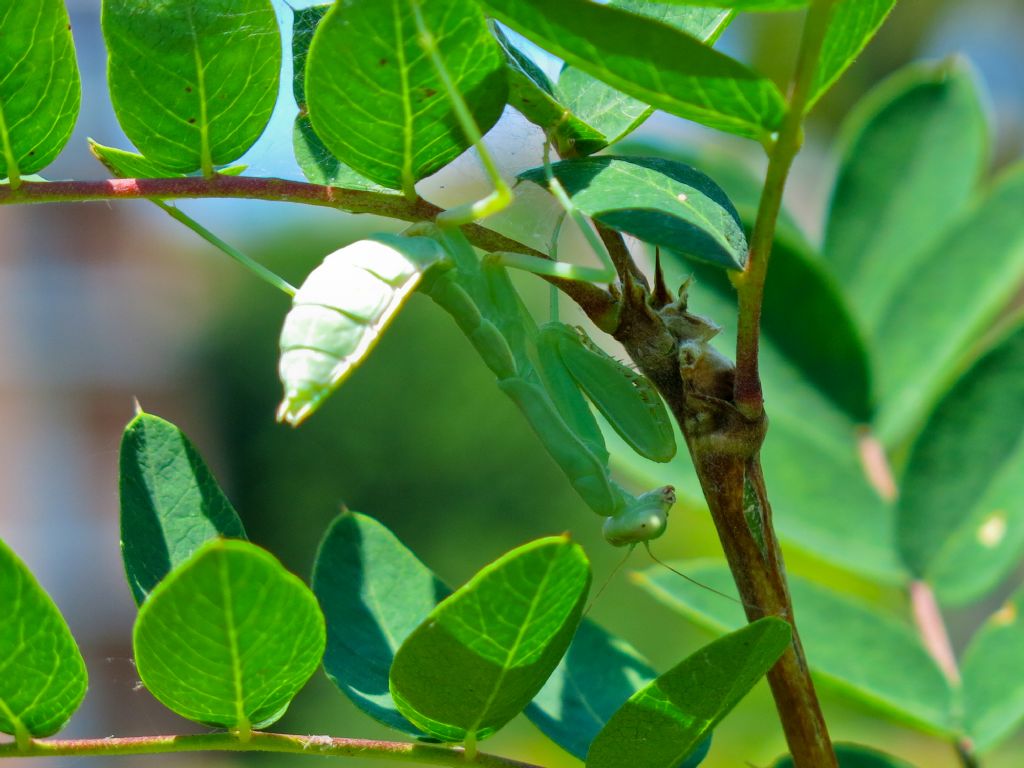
point(104, 303)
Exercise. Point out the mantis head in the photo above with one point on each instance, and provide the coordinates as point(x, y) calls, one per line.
point(643, 519)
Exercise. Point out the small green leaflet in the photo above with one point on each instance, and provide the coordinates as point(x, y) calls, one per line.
point(193, 82)
point(377, 101)
point(650, 61)
point(252, 628)
point(741, 5)
point(852, 25)
point(961, 510)
point(43, 676)
point(40, 92)
point(667, 720)
point(484, 652)
point(993, 676)
point(374, 592)
point(660, 201)
point(170, 502)
point(875, 658)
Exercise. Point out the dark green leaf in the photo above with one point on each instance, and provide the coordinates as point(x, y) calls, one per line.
point(914, 151)
point(961, 511)
point(40, 92)
point(42, 674)
point(609, 111)
point(855, 756)
point(483, 653)
point(668, 719)
point(650, 61)
point(660, 201)
point(319, 166)
point(376, 99)
point(871, 656)
point(170, 502)
point(374, 592)
point(229, 637)
point(993, 676)
point(304, 24)
point(852, 25)
point(193, 82)
point(953, 295)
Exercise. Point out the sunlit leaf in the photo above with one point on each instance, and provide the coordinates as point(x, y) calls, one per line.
point(668, 719)
point(377, 101)
point(650, 61)
point(483, 653)
point(193, 83)
point(850, 645)
point(42, 673)
point(233, 613)
point(40, 92)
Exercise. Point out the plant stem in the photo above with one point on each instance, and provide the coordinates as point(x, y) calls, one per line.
point(261, 741)
point(595, 301)
point(750, 283)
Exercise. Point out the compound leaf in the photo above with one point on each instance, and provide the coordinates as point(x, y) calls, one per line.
point(40, 91)
point(483, 653)
point(376, 99)
point(650, 61)
point(234, 613)
point(170, 502)
point(961, 511)
point(42, 674)
point(667, 720)
point(193, 83)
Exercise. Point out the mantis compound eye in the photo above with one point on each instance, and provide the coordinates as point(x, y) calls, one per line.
point(643, 520)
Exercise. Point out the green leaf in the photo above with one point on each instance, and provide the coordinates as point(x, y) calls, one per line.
point(915, 149)
point(660, 201)
point(993, 676)
point(483, 653)
point(610, 112)
point(128, 165)
point(232, 613)
point(532, 94)
point(666, 720)
point(317, 163)
point(170, 502)
point(304, 24)
point(42, 674)
point(650, 61)
point(961, 511)
point(852, 24)
point(376, 99)
point(740, 5)
point(855, 756)
point(374, 592)
point(872, 657)
point(950, 298)
point(193, 82)
point(40, 91)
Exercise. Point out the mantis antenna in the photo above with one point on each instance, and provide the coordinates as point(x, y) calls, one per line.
point(693, 581)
